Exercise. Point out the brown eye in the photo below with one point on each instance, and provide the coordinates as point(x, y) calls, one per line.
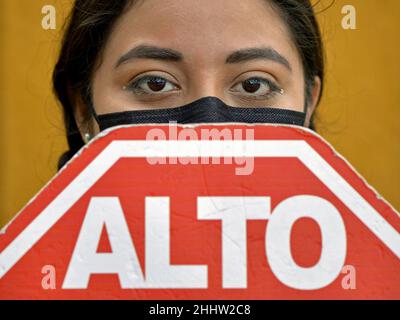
point(251, 85)
point(256, 88)
point(156, 84)
point(151, 85)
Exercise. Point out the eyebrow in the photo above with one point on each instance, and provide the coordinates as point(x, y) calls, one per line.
point(150, 52)
point(249, 54)
point(166, 54)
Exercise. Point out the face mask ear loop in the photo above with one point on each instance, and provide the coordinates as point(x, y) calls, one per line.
point(91, 108)
point(305, 112)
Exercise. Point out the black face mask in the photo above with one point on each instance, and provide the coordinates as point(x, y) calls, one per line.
point(204, 110)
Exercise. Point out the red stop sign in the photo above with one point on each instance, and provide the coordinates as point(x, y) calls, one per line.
point(204, 212)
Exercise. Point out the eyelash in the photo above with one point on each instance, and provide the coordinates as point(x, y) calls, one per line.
point(134, 85)
point(274, 88)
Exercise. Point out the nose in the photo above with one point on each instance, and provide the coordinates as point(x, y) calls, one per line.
point(206, 84)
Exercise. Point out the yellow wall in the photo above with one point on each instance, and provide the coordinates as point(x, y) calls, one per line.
point(359, 114)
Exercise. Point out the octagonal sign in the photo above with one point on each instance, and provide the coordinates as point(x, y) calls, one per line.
point(204, 212)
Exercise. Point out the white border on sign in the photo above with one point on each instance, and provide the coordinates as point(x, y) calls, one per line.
point(144, 149)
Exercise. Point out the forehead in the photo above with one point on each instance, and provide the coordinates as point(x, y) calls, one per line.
point(206, 30)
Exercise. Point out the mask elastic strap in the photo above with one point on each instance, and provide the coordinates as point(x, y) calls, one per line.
point(92, 110)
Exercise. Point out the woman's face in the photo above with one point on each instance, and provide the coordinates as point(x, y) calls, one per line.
point(170, 53)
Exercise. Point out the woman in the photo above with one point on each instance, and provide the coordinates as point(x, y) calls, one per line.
point(136, 61)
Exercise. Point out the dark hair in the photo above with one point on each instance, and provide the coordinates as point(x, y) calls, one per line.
point(91, 22)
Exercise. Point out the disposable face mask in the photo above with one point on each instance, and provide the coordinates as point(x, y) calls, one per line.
point(204, 110)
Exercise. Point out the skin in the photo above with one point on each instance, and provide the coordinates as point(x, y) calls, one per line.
point(205, 33)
